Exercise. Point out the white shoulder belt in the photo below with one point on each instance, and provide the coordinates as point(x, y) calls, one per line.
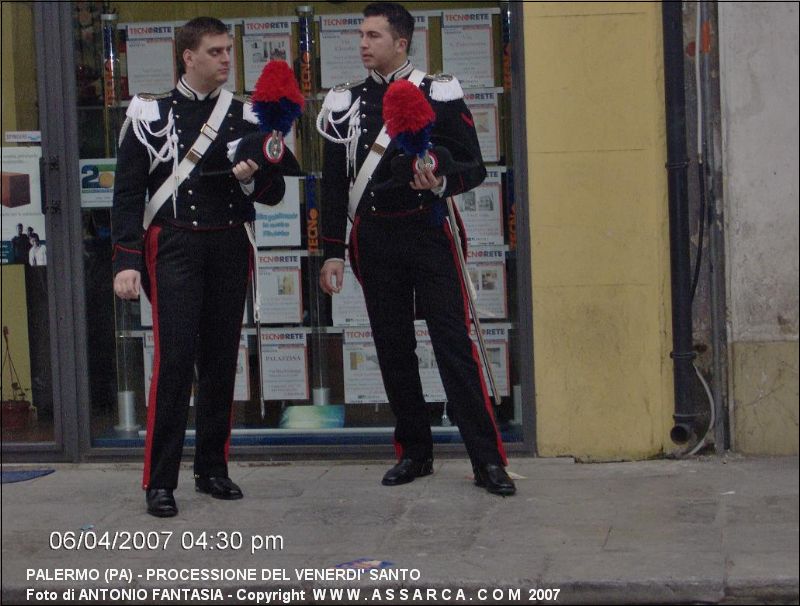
point(374, 157)
point(208, 132)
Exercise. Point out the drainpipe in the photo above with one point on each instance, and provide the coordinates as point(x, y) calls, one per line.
point(686, 416)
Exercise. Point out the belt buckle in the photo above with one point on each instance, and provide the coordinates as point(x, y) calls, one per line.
point(192, 156)
point(212, 134)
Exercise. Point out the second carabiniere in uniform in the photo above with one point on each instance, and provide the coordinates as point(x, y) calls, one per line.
point(188, 248)
point(402, 250)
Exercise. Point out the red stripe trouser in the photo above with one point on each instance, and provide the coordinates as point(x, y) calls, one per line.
point(398, 259)
point(197, 283)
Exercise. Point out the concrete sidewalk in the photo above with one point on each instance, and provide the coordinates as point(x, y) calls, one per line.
point(707, 530)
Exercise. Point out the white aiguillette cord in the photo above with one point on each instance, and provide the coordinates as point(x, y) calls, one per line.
point(208, 132)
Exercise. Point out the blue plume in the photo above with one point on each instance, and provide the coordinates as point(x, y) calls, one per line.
point(416, 143)
point(276, 115)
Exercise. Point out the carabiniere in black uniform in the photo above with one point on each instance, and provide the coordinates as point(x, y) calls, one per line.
point(401, 250)
point(194, 258)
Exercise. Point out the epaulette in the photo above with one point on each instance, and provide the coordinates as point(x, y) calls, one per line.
point(144, 106)
point(339, 97)
point(445, 87)
point(247, 108)
point(154, 96)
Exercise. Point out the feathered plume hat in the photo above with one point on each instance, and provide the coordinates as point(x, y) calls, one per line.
point(277, 103)
point(409, 120)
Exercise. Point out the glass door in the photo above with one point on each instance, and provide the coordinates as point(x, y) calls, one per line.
point(40, 344)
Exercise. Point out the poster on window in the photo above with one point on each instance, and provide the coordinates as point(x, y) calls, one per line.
point(432, 387)
point(279, 225)
point(481, 211)
point(362, 373)
point(97, 182)
point(348, 306)
point(482, 105)
point(363, 382)
point(233, 75)
point(284, 364)
point(487, 270)
point(467, 48)
point(496, 340)
point(264, 40)
point(279, 286)
point(340, 58)
point(241, 387)
point(419, 42)
point(151, 57)
point(23, 231)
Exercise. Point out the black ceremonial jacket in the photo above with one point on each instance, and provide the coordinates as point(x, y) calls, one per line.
point(204, 202)
point(453, 124)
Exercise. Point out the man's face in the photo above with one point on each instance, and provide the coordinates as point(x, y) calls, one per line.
point(210, 64)
point(379, 49)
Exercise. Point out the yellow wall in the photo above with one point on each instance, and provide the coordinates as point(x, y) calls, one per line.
point(19, 68)
point(599, 229)
point(19, 113)
point(15, 317)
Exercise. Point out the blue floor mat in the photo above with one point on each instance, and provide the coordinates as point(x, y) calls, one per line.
point(20, 476)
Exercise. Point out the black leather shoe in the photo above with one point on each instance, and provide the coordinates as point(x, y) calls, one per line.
point(161, 503)
point(494, 479)
point(219, 488)
point(406, 470)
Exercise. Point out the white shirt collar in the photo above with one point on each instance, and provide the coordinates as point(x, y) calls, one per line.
point(401, 72)
point(190, 93)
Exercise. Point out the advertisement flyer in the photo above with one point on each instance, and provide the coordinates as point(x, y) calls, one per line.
point(487, 270)
point(97, 182)
point(362, 372)
point(241, 388)
point(419, 42)
point(467, 48)
point(264, 40)
point(233, 76)
point(496, 339)
point(362, 376)
point(482, 104)
point(279, 225)
point(349, 307)
point(22, 218)
point(340, 59)
point(280, 287)
point(151, 57)
point(481, 211)
point(284, 361)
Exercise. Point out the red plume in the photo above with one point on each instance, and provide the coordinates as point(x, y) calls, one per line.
point(405, 109)
point(277, 81)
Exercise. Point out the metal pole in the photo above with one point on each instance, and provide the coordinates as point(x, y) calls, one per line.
point(320, 391)
point(126, 400)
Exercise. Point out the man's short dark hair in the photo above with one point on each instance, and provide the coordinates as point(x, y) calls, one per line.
point(190, 35)
point(400, 20)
